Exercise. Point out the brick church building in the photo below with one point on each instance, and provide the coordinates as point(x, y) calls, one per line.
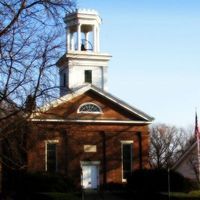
point(87, 134)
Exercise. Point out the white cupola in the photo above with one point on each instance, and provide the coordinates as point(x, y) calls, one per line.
point(82, 63)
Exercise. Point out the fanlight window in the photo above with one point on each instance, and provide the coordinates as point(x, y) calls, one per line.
point(89, 108)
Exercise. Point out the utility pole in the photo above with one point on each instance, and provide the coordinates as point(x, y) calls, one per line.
point(168, 179)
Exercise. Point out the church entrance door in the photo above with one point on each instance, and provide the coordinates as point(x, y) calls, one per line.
point(90, 174)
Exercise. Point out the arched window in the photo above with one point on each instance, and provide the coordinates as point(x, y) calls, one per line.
point(89, 108)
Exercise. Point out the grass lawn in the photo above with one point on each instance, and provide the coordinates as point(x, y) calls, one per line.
point(193, 195)
point(181, 195)
point(57, 196)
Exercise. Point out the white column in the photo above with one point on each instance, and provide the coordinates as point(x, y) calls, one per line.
point(86, 40)
point(68, 39)
point(79, 36)
point(104, 78)
point(98, 42)
point(72, 41)
point(94, 38)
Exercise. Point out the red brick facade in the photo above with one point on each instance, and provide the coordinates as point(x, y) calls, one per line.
point(72, 136)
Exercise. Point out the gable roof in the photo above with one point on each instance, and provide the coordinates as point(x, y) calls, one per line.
point(184, 155)
point(145, 117)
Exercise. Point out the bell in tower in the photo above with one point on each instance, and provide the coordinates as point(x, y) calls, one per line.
point(83, 63)
point(82, 30)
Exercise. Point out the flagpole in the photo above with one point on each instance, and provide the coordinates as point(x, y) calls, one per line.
point(197, 134)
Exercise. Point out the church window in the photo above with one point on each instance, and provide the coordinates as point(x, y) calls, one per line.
point(51, 156)
point(88, 76)
point(89, 108)
point(127, 159)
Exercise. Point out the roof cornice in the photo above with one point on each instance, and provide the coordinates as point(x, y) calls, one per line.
point(104, 94)
point(90, 121)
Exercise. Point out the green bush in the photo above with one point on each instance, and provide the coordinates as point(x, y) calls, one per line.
point(21, 182)
point(157, 180)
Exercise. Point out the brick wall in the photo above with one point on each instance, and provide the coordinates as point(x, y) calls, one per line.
point(70, 149)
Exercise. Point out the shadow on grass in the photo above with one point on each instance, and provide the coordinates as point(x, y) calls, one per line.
point(162, 196)
point(51, 196)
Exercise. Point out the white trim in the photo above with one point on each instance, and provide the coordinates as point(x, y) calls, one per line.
point(92, 120)
point(50, 142)
point(121, 103)
point(87, 55)
point(127, 141)
point(90, 163)
point(61, 100)
point(122, 143)
point(82, 90)
point(85, 112)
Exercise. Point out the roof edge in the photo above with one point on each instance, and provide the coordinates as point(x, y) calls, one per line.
point(90, 121)
point(182, 157)
point(104, 94)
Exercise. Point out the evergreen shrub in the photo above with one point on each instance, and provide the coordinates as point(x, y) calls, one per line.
point(157, 180)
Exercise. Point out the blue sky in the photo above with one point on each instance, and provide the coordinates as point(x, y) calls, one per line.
point(155, 46)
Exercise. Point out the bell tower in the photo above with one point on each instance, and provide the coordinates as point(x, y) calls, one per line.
point(83, 63)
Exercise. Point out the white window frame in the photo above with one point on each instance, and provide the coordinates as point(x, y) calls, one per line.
point(85, 112)
point(122, 143)
point(46, 143)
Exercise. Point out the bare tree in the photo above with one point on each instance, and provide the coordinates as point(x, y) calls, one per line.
point(30, 44)
point(31, 41)
point(167, 144)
